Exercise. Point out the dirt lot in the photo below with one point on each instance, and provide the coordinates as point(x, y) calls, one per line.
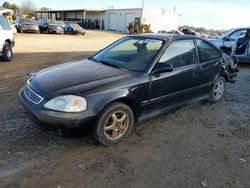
point(200, 145)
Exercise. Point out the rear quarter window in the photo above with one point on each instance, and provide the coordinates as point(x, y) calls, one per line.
point(206, 51)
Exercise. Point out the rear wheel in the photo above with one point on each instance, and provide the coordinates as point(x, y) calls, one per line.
point(218, 90)
point(114, 124)
point(7, 52)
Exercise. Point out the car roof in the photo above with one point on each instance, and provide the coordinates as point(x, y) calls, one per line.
point(167, 37)
point(242, 28)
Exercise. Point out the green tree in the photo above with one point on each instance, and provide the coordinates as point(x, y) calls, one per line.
point(28, 7)
point(45, 9)
point(8, 5)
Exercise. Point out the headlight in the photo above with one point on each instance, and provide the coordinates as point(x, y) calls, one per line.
point(67, 103)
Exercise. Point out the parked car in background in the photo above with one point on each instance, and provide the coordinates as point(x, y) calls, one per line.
point(7, 39)
point(51, 26)
point(236, 42)
point(133, 79)
point(73, 29)
point(188, 32)
point(176, 32)
point(26, 25)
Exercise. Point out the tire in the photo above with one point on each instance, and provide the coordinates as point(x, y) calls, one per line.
point(218, 90)
point(114, 124)
point(7, 52)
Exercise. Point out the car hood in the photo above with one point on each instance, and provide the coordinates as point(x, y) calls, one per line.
point(74, 78)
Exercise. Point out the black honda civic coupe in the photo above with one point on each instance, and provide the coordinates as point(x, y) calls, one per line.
point(135, 78)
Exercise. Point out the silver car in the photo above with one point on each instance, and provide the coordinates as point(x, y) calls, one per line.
point(236, 42)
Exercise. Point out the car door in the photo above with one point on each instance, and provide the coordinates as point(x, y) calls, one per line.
point(4, 31)
point(231, 39)
point(1, 38)
point(208, 68)
point(170, 88)
point(234, 40)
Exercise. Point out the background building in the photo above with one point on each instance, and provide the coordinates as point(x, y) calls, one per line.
point(115, 19)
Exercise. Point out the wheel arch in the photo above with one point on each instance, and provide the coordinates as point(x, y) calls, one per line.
point(131, 104)
point(8, 41)
point(127, 101)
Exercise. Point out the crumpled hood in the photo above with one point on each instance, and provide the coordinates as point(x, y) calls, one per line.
point(74, 78)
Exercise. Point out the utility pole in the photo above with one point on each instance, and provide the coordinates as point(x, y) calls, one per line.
point(142, 3)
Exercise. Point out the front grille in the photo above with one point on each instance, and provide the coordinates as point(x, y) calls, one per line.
point(31, 95)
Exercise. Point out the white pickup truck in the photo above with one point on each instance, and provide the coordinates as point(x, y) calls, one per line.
point(7, 40)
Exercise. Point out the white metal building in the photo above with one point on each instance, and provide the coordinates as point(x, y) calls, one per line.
point(116, 19)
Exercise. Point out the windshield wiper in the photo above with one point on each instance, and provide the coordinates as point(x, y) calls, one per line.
point(110, 64)
point(104, 62)
point(92, 59)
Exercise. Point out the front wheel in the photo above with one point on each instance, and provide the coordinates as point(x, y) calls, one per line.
point(114, 124)
point(218, 90)
point(7, 52)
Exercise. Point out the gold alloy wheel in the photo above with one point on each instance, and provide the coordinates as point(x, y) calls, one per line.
point(116, 125)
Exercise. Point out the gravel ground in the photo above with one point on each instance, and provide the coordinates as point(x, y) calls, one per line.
point(200, 145)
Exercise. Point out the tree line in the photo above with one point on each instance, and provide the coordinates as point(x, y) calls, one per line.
point(203, 30)
point(27, 7)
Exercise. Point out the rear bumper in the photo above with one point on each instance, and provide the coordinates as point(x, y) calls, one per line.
point(59, 123)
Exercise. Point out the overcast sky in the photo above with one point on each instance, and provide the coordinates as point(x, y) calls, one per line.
point(216, 14)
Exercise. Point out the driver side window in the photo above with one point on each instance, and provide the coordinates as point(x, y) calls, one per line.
point(180, 53)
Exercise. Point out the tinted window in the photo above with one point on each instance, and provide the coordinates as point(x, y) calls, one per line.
point(180, 53)
point(132, 53)
point(206, 51)
point(4, 24)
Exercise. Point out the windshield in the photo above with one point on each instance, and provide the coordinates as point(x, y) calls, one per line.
point(55, 22)
point(28, 21)
point(228, 33)
point(131, 53)
point(76, 26)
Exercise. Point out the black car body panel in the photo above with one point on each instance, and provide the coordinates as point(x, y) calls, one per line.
point(73, 29)
point(188, 32)
point(78, 77)
point(51, 26)
point(147, 94)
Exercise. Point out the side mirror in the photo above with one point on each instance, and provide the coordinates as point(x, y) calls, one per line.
point(226, 39)
point(162, 67)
